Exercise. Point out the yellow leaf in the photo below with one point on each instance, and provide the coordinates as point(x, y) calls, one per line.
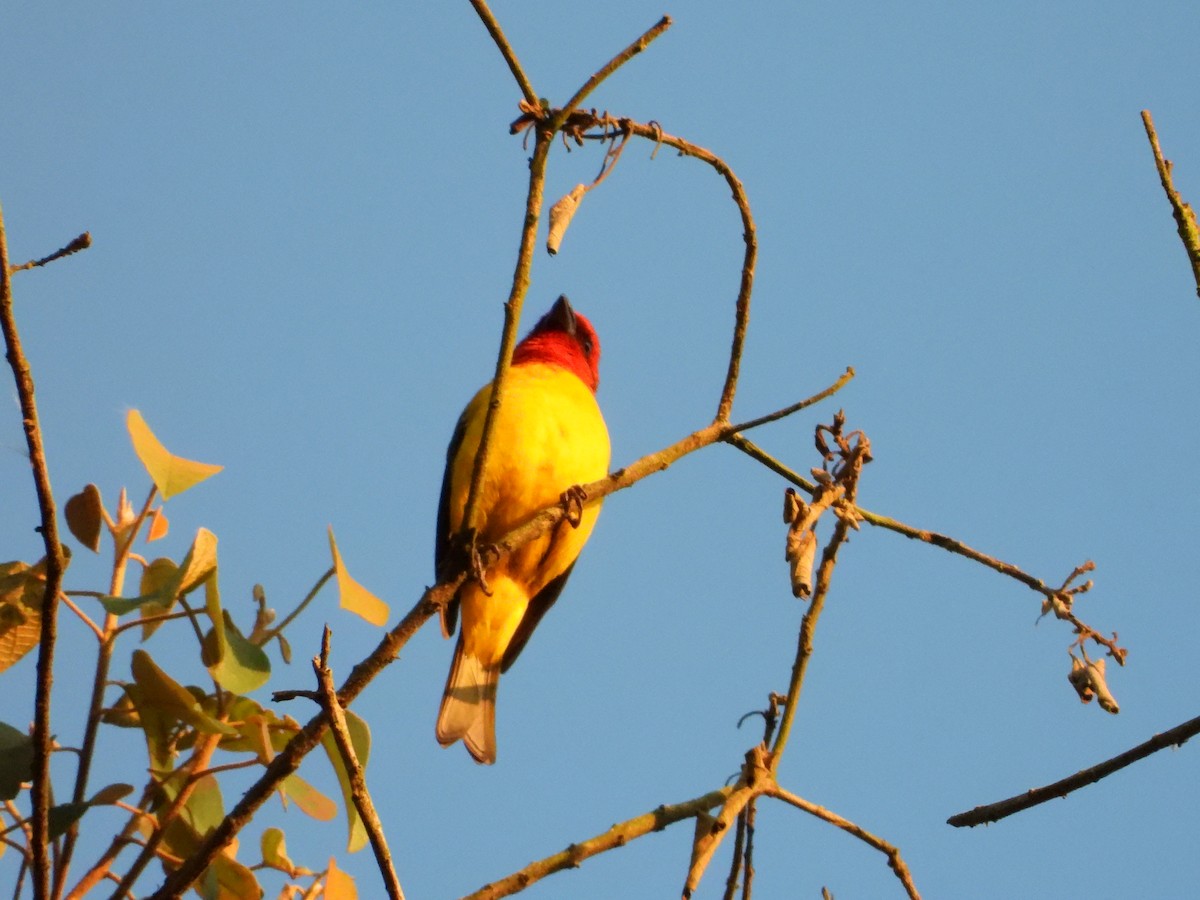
point(353, 596)
point(172, 474)
point(339, 885)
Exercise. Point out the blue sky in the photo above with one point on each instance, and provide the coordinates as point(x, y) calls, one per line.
point(305, 222)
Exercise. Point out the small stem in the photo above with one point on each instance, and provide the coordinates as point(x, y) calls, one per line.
point(805, 644)
point(270, 633)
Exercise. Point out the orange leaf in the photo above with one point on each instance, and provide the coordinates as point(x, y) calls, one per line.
point(158, 525)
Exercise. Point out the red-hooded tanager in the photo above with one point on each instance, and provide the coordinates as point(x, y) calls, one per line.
point(549, 436)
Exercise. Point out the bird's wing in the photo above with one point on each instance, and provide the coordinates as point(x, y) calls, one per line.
point(443, 547)
point(542, 601)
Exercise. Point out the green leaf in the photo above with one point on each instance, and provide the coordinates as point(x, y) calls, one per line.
point(360, 740)
point(156, 724)
point(168, 696)
point(159, 587)
point(352, 595)
point(171, 474)
point(64, 816)
point(110, 794)
point(274, 852)
point(235, 663)
point(16, 760)
point(204, 808)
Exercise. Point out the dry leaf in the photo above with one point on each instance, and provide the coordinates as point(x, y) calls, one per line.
point(561, 214)
point(85, 515)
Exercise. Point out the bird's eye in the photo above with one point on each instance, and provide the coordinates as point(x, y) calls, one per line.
point(586, 344)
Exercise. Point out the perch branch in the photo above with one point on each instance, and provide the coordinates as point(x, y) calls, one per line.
point(994, 812)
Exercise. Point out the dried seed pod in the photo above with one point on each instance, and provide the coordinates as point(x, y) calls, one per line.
point(801, 553)
point(793, 506)
point(561, 214)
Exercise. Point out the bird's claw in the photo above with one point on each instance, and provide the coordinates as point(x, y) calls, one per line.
point(572, 501)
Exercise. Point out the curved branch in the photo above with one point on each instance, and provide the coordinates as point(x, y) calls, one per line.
point(895, 861)
point(749, 235)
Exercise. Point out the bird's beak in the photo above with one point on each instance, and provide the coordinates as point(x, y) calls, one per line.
point(562, 316)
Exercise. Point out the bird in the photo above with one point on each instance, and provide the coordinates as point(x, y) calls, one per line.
point(549, 438)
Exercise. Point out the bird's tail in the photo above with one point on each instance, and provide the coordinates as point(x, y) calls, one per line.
point(469, 706)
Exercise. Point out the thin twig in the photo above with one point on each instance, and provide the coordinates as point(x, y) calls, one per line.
point(55, 565)
point(804, 647)
point(80, 243)
point(354, 771)
point(1185, 218)
point(612, 65)
point(847, 376)
point(123, 541)
point(895, 861)
point(506, 50)
point(83, 617)
point(994, 812)
point(617, 836)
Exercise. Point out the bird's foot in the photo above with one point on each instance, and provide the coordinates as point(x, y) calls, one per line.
point(572, 501)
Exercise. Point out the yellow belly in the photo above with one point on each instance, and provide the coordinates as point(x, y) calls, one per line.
point(549, 436)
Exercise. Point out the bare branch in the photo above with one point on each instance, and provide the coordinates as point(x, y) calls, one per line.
point(617, 836)
point(1185, 217)
point(55, 565)
point(895, 861)
point(611, 66)
point(354, 771)
point(994, 812)
point(506, 50)
point(80, 243)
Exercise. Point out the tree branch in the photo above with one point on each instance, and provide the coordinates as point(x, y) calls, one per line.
point(611, 66)
point(617, 836)
point(55, 565)
point(994, 812)
point(1185, 218)
point(506, 50)
point(354, 770)
point(895, 861)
